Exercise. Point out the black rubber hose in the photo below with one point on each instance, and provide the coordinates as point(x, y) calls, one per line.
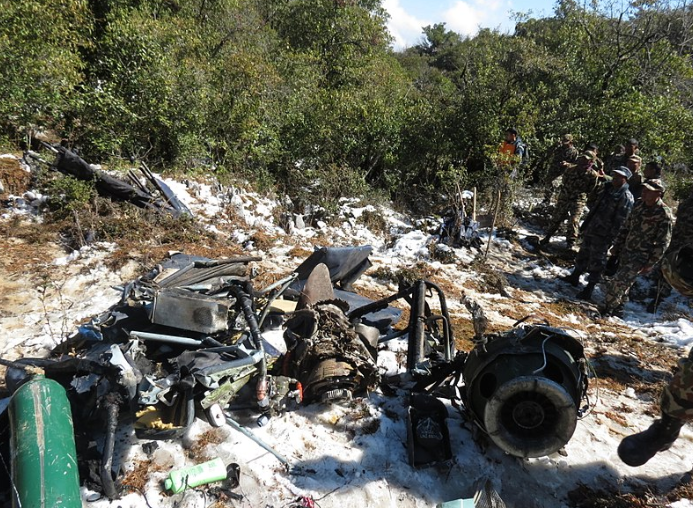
point(107, 482)
point(246, 303)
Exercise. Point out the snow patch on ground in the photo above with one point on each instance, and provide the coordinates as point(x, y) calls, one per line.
point(356, 456)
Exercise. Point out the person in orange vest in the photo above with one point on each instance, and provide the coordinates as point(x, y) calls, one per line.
point(513, 146)
point(512, 158)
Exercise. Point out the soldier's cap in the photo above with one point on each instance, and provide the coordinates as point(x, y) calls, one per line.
point(589, 155)
point(635, 158)
point(623, 171)
point(567, 138)
point(654, 184)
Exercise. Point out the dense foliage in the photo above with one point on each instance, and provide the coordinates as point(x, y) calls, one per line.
point(309, 96)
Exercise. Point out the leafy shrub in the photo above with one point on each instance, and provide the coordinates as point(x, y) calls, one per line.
point(69, 195)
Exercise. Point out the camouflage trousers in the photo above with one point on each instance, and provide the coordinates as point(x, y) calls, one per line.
point(592, 256)
point(617, 289)
point(570, 207)
point(550, 182)
point(677, 397)
point(660, 287)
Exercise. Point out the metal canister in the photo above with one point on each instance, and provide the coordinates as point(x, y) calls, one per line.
point(42, 445)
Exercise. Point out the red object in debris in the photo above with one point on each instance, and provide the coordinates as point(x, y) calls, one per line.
point(304, 502)
point(261, 392)
point(299, 389)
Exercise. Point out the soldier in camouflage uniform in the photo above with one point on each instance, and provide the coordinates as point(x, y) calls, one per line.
point(640, 244)
point(677, 397)
point(634, 163)
point(621, 159)
point(601, 227)
point(564, 154)
point(578, 181)
point(681, 235)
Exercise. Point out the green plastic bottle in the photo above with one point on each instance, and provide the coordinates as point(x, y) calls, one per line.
point(207, 472)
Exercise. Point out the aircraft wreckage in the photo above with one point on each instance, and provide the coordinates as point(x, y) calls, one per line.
point(187, 338)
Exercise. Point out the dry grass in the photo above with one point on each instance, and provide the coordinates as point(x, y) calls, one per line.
point(27, 248)
point(641, 496)
point(198, 449)
point(136, 480)
point(299, 251)
point(262, 241)
point(15, 180)
point(463, 331)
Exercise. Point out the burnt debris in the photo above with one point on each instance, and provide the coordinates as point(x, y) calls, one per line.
point(190, 338)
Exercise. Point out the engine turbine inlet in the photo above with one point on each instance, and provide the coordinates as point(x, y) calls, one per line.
point(524, 389)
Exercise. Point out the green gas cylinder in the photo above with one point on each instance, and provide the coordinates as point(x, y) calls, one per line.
point(42, 446)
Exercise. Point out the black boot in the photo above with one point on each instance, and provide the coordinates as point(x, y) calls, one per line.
point(652, 306)
point(611, 311)
point(573, 279)
point(586, 293)
point(637, 449)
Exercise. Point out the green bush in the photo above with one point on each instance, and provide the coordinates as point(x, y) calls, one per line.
point(68, 195)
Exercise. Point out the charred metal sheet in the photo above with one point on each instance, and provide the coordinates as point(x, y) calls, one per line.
point(345, 264)
point(318, 288)
point(199, 270)
point(188, 310)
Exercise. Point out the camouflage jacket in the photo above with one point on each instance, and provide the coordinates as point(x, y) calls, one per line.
point(578, 181)
point(646, 234)
point(563, 154)
point(615, 161)
point(635, 183)
point(610, 211)
point(682, 233)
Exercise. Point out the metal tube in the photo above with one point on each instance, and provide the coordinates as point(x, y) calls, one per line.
point(416, 351)
point(379, 304)
point(233, 423)
point(185, 341)
point(449, 346)
point(276, 289)
point(246, 303)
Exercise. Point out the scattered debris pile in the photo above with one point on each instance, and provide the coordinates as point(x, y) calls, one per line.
point(190, 338)
point(460, 228)
point(147, 191)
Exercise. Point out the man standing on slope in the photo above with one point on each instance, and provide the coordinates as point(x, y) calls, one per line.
point(511, 162)
point(601, 227)
point(640, 244)
point(681, 235)
point(563, 155)
point(578, 181)
point(677, 398)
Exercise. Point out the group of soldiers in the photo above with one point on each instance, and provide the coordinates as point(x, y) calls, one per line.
point(628, 228)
